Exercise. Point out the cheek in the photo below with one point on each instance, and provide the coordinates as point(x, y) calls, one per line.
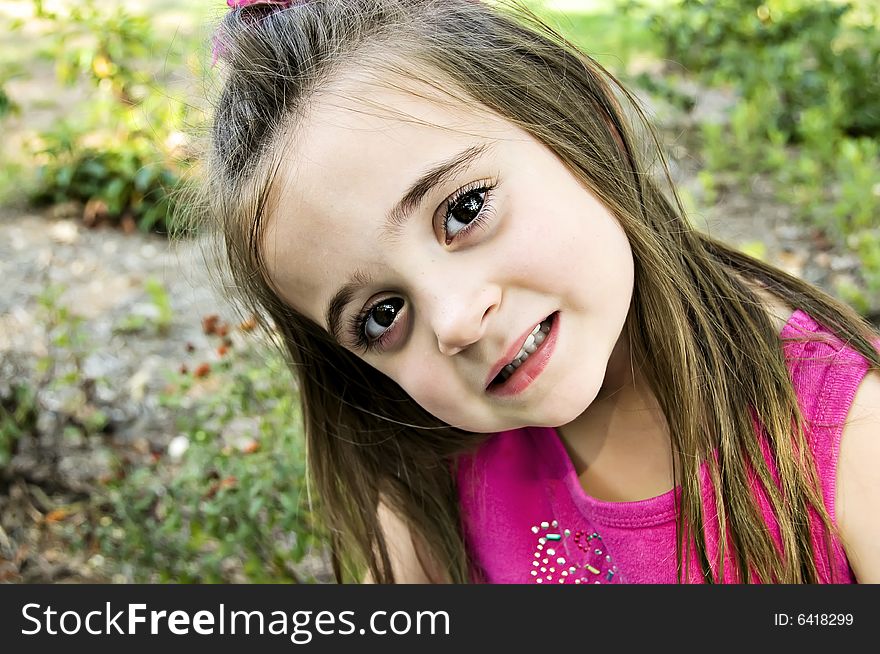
point(551, 247)
point(430, 385)
point(579, 240)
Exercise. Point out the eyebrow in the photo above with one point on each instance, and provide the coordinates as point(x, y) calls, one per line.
point(434, 177)
point(396, 219)
point(336, 305)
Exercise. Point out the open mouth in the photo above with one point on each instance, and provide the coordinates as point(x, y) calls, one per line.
point(530, 346)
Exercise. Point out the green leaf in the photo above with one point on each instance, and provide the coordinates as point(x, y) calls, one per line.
point(116, 195)
point(144, 178)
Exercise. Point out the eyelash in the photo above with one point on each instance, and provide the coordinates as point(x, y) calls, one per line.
point(357, 324)
point(487, 186)
point(357, 328)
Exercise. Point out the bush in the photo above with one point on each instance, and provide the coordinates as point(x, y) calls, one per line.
point(122, 181)
point(797, 49)
point(809, 114)
point(7, 106)
point(123, 154)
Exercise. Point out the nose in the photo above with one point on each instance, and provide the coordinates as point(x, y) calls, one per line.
point(460, 318)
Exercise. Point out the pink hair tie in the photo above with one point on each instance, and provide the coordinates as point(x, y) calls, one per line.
point(218, 49)
point(235, 4)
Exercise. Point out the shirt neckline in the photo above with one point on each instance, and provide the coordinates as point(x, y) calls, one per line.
point(639, 513)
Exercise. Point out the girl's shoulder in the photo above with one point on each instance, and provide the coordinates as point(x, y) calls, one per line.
point(841, 396)
point(857, 504)
point(404, 547)
point(780, 313)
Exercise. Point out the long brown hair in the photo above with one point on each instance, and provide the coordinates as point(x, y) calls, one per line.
point(701, 334)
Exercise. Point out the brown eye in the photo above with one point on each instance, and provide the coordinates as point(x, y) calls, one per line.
point(463, 211)
point(381, 317)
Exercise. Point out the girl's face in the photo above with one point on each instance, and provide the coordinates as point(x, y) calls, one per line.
point(432, 239)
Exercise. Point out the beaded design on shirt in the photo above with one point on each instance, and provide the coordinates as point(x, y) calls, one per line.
point(591, 563)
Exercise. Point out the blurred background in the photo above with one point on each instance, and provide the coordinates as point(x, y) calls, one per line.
point(148, 435)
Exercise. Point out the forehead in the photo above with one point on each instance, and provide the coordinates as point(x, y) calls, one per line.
point(374, 130)
point(344, 166)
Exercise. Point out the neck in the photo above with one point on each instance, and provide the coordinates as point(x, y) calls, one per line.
point(620, 445)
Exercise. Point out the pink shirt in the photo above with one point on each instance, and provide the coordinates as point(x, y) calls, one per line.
point(527, 519)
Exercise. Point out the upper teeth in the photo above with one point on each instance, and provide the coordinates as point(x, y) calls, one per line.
point(533, 340)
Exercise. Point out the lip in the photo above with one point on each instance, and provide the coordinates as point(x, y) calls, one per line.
point(523, 376)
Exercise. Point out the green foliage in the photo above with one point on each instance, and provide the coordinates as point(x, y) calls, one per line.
point(162, 302)
point(107, 57)
point(867, 244)
point(659, 87)
point(162, 314)
point(62, 369)
point(18, 417)
point(750, 143)
point(63, 329)
point(858, 198)
point(755, 249)
point(10, 171)
point(118, 179)
point(836, 187)
point(796, 48)
point(121, 154)
point(228, 502)
point(7, 106)
point(615, 34)
point(809, 112)
point(853, 295)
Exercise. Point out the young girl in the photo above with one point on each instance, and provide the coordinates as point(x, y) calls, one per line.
point(518, 362)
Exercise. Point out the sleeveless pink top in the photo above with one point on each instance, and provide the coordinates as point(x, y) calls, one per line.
point(527, 519)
